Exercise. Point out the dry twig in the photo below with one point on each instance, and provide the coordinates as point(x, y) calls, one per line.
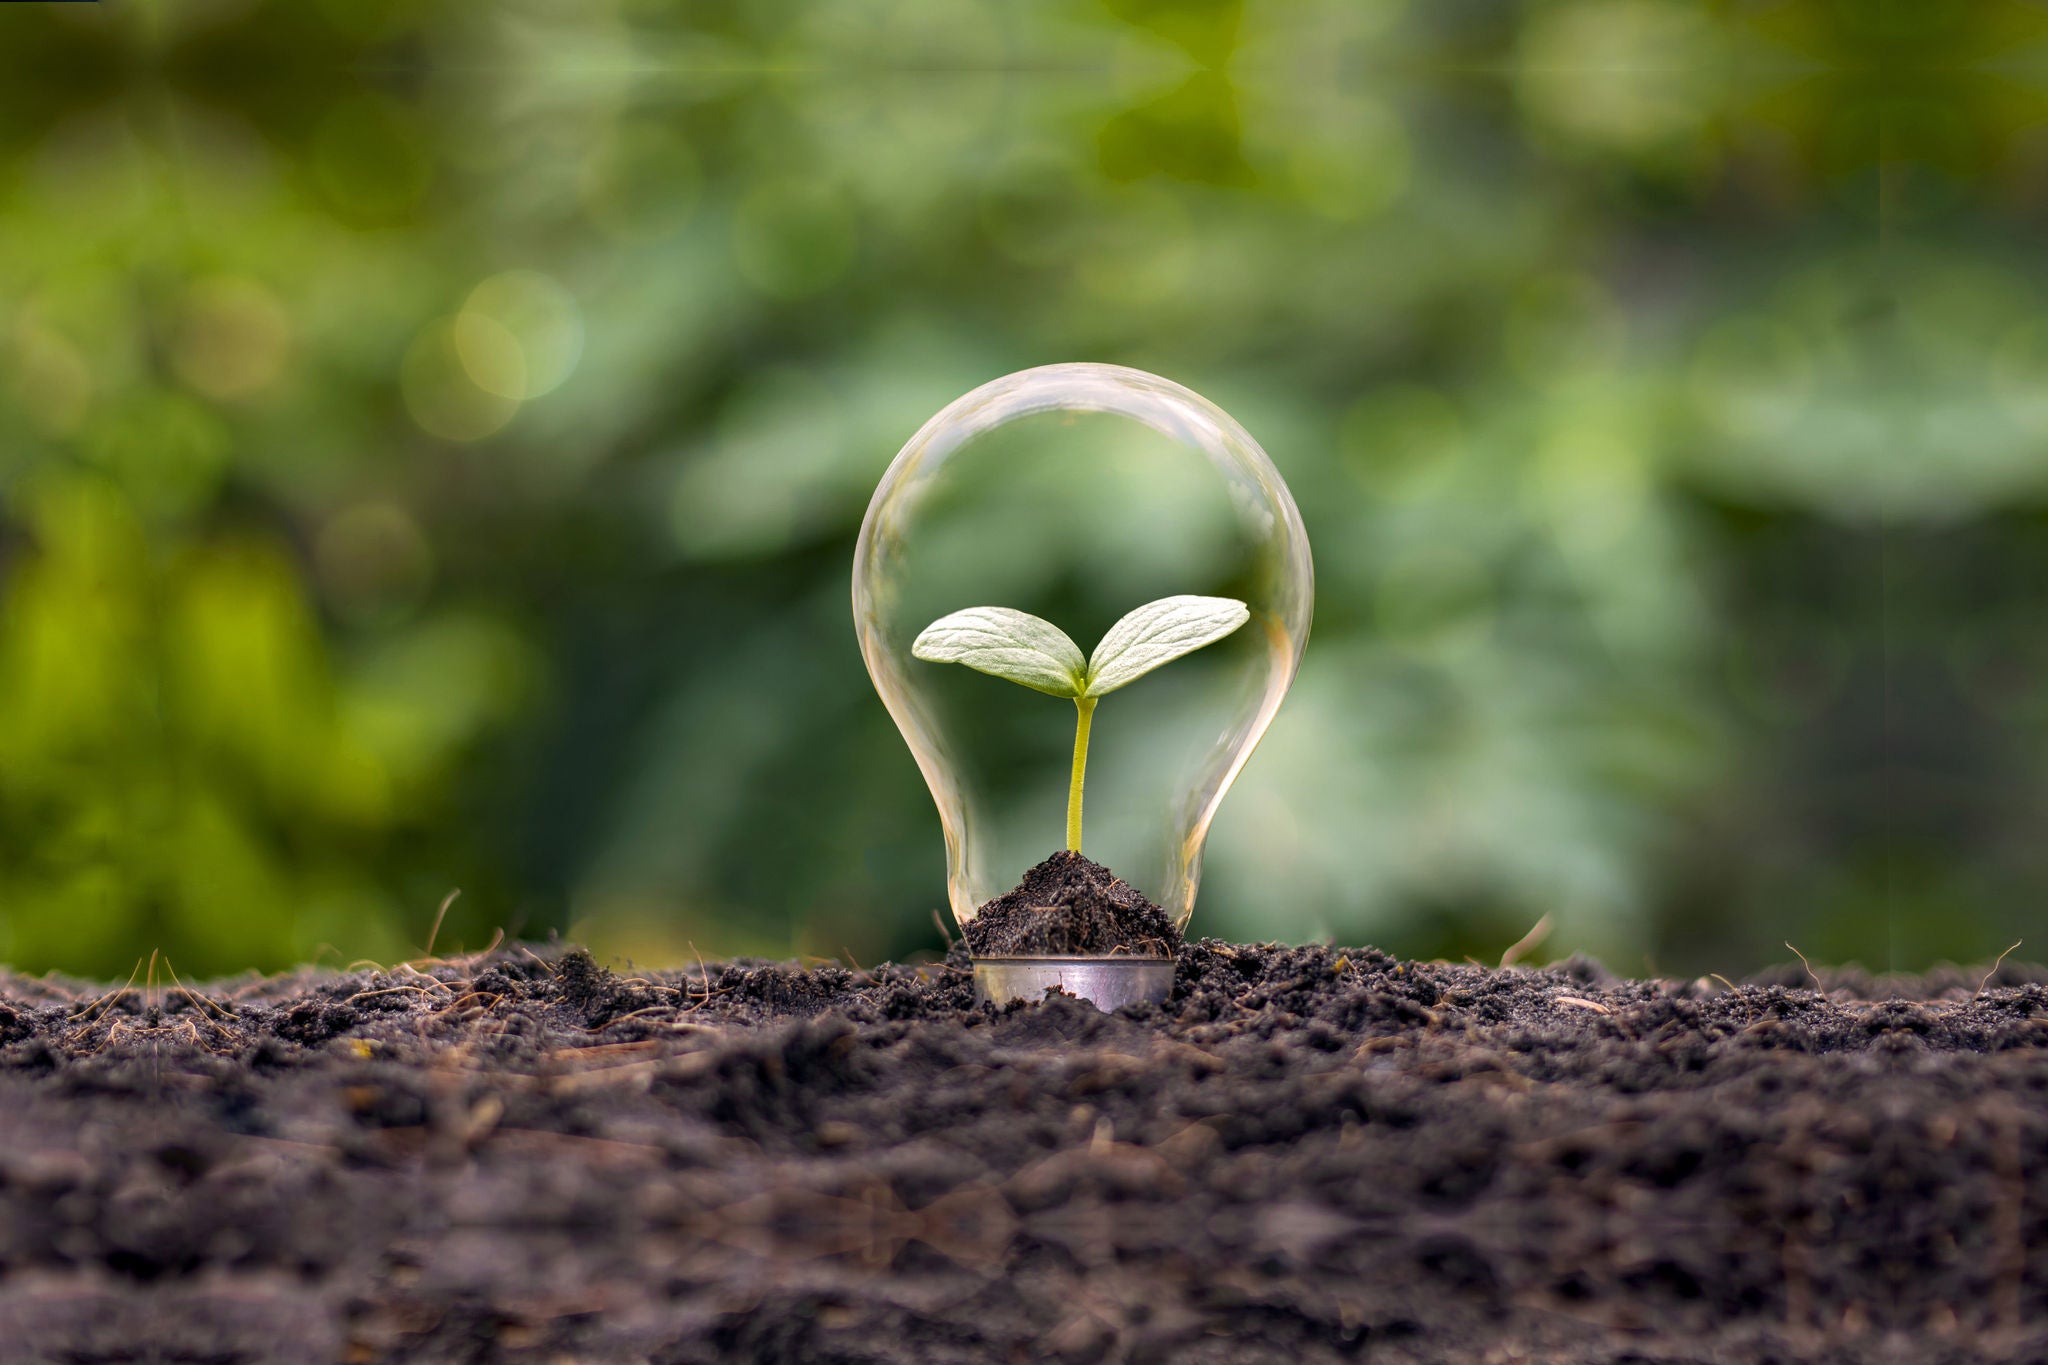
point(1994, 971)
point(1809, 968)
point(1528, 942)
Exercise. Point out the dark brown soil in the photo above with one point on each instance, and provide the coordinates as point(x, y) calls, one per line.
point(1069, 906)
point(1306, 1155)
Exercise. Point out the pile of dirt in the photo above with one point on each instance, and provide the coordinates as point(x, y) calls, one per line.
point(1069, 906)
point(1305, 1155)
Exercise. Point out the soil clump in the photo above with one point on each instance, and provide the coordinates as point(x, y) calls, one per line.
point(1068, 906)
point(1306, 1155)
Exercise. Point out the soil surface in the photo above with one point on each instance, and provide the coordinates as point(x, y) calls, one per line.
point(1069, 906)
point(1306, 1155)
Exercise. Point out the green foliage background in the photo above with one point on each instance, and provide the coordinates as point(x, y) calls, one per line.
point(432, 436)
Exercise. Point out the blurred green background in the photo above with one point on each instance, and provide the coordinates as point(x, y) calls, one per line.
point(432, 437)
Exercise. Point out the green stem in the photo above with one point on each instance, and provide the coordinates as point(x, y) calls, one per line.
point(1086, 706)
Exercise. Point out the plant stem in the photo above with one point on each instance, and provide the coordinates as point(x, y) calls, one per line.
point(1086, 706)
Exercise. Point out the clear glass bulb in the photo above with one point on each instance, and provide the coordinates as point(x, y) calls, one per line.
point(1077, 493)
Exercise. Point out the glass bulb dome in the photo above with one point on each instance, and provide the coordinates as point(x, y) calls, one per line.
point(1077, 493)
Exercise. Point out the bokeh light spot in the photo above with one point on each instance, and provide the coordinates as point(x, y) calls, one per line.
point(231, 337)
point(440, 394)
point(1618, 75)
point(490, 355)
point(1590, 484)
point(519, 334)
point(374, 563)
point(47, 377)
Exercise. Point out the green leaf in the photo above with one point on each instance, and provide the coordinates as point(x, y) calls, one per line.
point(1008, 644)
point(1158, 633)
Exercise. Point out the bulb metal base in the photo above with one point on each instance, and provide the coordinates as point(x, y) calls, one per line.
point(1107, 983)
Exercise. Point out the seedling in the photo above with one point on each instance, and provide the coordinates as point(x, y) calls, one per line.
point(1036, 653)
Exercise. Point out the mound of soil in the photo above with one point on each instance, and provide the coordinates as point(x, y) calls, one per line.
point(1069, 906)
point(1306, 1155)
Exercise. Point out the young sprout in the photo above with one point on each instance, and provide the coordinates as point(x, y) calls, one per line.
point(1035, 652)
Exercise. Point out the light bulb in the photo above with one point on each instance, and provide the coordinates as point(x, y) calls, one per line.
point(1077, 493)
